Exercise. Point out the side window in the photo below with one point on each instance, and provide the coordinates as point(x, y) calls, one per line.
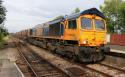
point(33, 31)
point(30, 32)
point(62, 29)
point(45, 31)
point(72, 24)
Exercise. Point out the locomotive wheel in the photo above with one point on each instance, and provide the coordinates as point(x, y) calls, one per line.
point(76, 58)
point(84, 55)
point(101, 56)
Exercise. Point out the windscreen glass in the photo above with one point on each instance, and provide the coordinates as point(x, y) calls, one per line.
point(86, 23)
point(99, 25)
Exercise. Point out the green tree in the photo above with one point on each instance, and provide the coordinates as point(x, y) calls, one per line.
point(58, 17)
point(114, 12)
point(122, 12)
point(3, 31)
point(77, 10)
point(2, 12)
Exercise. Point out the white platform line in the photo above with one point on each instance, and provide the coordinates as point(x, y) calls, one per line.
point(19, 70)
point(118, 51)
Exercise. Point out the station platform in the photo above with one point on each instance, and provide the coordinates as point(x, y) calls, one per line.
point(117, 49)
point(8, 56)
point(8, 69)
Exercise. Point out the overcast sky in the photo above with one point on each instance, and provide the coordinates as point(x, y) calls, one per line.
point(23, 14)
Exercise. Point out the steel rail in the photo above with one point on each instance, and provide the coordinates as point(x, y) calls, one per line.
point(21, 54)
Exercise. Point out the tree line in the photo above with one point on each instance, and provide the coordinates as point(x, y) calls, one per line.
point(3, 30)
point(114, 10)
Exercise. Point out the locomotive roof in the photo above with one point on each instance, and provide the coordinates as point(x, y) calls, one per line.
point(56, 21)
point(76, 15)
point(39, 25)
point(88, 11)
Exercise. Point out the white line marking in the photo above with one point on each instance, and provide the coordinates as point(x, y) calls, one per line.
point(118, 51)
point(19, 70)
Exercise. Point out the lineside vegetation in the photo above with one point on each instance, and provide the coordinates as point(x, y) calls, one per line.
point(3, 30)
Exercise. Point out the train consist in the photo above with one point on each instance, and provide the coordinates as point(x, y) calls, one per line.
point(81, 36)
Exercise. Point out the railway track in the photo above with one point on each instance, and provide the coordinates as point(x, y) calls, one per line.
point(113, 67)
point(103, 69)
point(89, 70)
point(38, 66)
point(107, 69)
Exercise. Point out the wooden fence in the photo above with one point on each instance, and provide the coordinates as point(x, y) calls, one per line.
point(117, 39)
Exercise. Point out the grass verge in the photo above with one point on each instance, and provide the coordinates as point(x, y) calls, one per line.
point(3, 40)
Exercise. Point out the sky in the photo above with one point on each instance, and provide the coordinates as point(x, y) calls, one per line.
point(24, 14)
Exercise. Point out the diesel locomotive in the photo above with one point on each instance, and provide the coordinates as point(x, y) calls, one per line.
point(81, 36)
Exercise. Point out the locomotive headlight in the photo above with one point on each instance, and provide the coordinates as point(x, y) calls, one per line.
point(85, 42)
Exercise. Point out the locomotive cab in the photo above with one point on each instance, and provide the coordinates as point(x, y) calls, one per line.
point(92, 31)
point(86, 31)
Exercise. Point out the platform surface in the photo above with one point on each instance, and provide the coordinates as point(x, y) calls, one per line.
point(8, 69)
point(8, 56)
point(117, 48)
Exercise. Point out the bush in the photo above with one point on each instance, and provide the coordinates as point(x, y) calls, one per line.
point(1, 37)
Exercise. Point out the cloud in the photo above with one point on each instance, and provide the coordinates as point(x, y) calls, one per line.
point(24, 14)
